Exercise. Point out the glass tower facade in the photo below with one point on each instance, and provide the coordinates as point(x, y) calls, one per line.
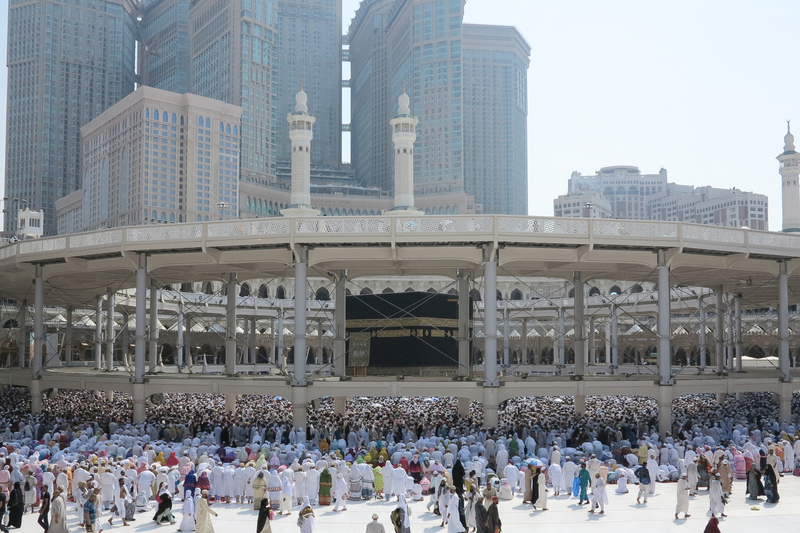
point(308, 46)
point(68, 61)
point(495, 65)
point(233, 61)
point(164, 58)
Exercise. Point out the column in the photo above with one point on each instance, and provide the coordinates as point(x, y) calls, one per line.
point(463, 406)
point(125, 334)
point(253, 342)
point(23, 341)
point(153, 363)
point(271, 348)
point(139, 405)
point(490, 322)
point(339, 405)
point(38, 324)
point(140, 342)
point(524, 358)
point(464, 366)
point(98, 335)
point(339, 324)
point(737, 331)
point(320, 342)
point(299, 403)
point(664, 326)
point(615, 336)
point(729, 340)
point(592, 349)
point(561, 356)
point(506, 335)
point(702, 339)
point(230, 400)
point(665, 393)
point(300, 326)
point(230, 327)
point(580, 341)
point(786, 402)
point(719, 333)
point(280, 357)
point(110, 304)
point(68, 337)
point(607, 335)
point(187, 340)
point(180, 341)
point(491, 403)
point(783, 321)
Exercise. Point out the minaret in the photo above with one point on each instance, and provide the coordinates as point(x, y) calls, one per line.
point(790, 174)
point(301, 132)
point(404, 134)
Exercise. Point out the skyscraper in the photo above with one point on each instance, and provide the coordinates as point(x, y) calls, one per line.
point(68, 61)
point(495, 64)
point(164, 56)
point(371, 138)
point(232, 54)
point(468, 87)
point(308, 45)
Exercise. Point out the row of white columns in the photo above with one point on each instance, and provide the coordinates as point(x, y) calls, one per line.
point(491, 381)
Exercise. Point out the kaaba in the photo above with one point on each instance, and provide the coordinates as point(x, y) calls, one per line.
point(404, 329)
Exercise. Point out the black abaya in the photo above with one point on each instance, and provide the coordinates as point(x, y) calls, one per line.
point(458, 477)
point(263, 515)
point(16, 506)
point(480, 518)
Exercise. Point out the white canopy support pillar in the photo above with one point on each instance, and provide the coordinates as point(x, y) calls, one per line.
point(664, 325)
point(68, 336)
point(506, 335)
point(98, 335)
point(38, 323)
point(464, 366)
point(463, 406)
point(702, 335)
point(614, 337)
point(783, 322)
point(300, 325)
point(281, 357)
point(561, 354)
point(580, 335)
point(719, 329)
point(299, 406)
point(110, 305)
point(181, 336)
point(230, 327)
point(524, 357)
point(665, 396)
point(320, 343)
point(737, 331)
point(23, 341)
point(490, 318)
point(592, 347)
point(340, 324)
point(253, 344)
point(140, 338)
point(153, 349)
point(38, 341)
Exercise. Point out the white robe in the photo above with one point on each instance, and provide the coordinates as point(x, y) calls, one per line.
point(187, 522)
point(683, 496)
point(557, 478)
point(454, 524)
point(715, 497)
point(541, 503)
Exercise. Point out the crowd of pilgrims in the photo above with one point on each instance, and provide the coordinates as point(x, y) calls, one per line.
point(85, 450)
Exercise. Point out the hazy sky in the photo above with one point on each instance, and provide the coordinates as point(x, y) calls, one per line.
point(701, 88)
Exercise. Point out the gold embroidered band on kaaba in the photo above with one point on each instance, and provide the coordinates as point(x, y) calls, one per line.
point(408, 322)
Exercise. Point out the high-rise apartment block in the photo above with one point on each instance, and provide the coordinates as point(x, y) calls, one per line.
point(308, 47)
point(495, 64)
point(156, 156)
point(164, 50)
point(68, 61)
point(422, 47)
point(625, 193)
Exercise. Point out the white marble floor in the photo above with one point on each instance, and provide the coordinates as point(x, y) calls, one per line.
point(622, 514)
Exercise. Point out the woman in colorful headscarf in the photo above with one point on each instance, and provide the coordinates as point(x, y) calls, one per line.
point(160, 459)
point(306, 519)
point(203, 483)
point(259, 489)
